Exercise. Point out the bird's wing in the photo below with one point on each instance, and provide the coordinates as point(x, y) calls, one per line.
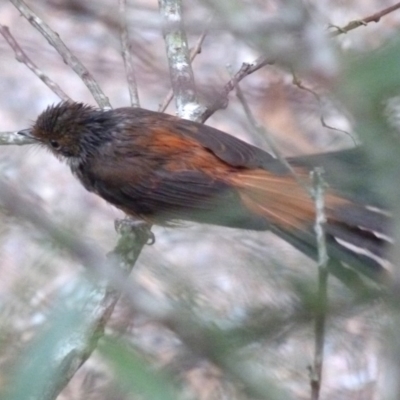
point(172, 191)
point(230, 149)
point(227, 148)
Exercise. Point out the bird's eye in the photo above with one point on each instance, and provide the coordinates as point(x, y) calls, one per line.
point(54, 144)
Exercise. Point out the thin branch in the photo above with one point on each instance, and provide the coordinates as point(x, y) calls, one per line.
point(182, 78)
point(297, 82)
point(127, 56)
point(364, 21)
point(69, 58)
point(322, 296)
point(14, 138)
point(22, 57)
point(193, 53)
point(222, 100)
point(265, 136)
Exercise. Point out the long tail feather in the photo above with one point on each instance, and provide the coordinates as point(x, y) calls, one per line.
point(356, 235)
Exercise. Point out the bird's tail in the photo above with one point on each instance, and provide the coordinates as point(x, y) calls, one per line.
point(356, 235)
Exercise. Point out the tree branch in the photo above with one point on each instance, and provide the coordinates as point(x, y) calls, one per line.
point(69, 58)
point(322, 296)
point(182, 78)
point(297, 82)
point(222, 100)
point(364, 21)
point(127, 56)
point(266, 137)
point(22, 57)
point(13, 138)
point(193, 53)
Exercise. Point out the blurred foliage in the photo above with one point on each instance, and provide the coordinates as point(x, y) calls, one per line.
point(134, 373)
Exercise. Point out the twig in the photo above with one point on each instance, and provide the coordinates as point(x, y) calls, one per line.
point(69, 58)
point(193, 53)
point(297, 82)
point(265, 136)
point(247, 69)
point(127, 56)
point(364, 21)
point(322, 296)
point(14, 138)
point(222, 100)
point(22, 57)
point(182, 78)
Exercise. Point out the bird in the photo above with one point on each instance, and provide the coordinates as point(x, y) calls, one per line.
point(162, 169)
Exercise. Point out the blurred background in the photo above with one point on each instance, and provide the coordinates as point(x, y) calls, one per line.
point(225, 278)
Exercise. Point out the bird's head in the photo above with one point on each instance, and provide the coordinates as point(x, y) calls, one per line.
point(71, 130)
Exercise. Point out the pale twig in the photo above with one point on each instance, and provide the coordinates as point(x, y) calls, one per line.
point(262, 133)
point(14, 138)
point(193, 53)
point(127, 56)
point(180, 69)
point(364, 21)
point(222, 99)
point(22, 57)
point(69, 58)
point(319, 186)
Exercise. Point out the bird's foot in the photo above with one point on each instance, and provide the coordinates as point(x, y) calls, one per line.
point(128, 224)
